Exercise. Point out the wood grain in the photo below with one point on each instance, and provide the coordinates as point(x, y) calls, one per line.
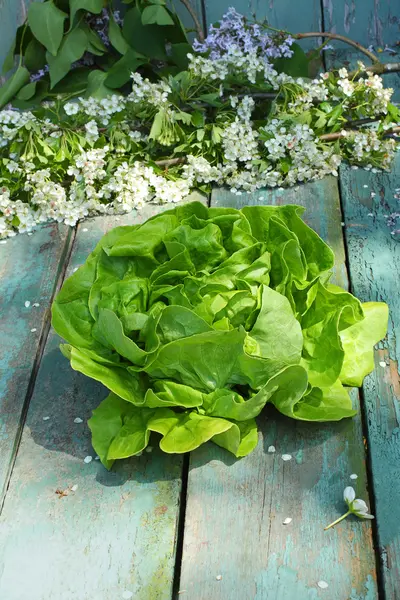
point(374, 260)
point(236, 508)
point(279, 13)
point(29, 271)
point(116, 532)
point(370, 22)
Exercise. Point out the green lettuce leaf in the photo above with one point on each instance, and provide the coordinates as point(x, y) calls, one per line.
point(358, 342)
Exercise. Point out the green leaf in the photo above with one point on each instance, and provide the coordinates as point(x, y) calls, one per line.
point(116, 378)
point(335, 114)
point(106, 423)
point(120, 72)
point(207, 360)
point(35, 56)
point(27, 91)
point(277, 331)
point(96, 86)
point(93, 6)
point(358, 342)
point(72, 48)
point(94, 43)
point(240, 439)
point(42, 89)
point(9, 60)
point(156, 14)
point(296, 66)
point(146, 39)
point(179, 54)
point(315, 404)
point(47, 24)
point(13, 85)
point(116, 37)
point(75, 83)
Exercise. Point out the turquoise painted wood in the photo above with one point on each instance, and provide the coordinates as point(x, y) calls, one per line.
point(236, 508)
point(115, 534)
point(29, 272)
point(279, 13)
point(369, 22)
point(374, 261)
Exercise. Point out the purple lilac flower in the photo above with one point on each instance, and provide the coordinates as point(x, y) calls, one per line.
point(39, 74)
point(234, 33)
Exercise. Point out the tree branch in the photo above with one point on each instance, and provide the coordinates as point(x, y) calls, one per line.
point(331, 137)
point(169, 162)
point(342, 38)
point(378, 69)
point(192, 12)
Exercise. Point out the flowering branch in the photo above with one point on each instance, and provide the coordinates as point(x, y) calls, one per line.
point(342, 38)
point(192, 12)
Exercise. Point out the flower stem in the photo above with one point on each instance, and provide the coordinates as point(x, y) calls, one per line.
point(338, 520)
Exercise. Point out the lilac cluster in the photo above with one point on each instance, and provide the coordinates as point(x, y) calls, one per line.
point(234, 33)
point(39, 74)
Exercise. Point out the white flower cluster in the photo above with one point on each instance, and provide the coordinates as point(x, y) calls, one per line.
point(368, 90)
point(239, 139)
point(91, 191)
point(145, 91)
point(367, 149)
point(307, 94)
point(132, 186)
point(306, 158)
point(10, 123)
point(234, 62)
point(101, 109)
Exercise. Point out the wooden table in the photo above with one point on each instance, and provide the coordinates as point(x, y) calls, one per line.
point(204, 526)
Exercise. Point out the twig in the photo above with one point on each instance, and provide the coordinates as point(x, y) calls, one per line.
point(331, 137)
point(169, 162)
point(342, 38)
point(192, 12)
point(378, 69)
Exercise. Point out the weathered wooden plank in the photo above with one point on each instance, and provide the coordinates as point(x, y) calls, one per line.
point(369, 22)
point(236, 508)
point(29, 272)
point(115, 535)
point(374, 261)
point(305, 16)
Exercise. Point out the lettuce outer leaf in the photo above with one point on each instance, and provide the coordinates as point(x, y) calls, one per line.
point(358, 342)
point(199, 317)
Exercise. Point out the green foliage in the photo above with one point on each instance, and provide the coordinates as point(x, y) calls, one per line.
point(72, 48)
point(57, 35)
point(198, 318)
point(46, 22)
point(13, 85)
point(156, 14)
point(92, 6)
point(297, 65)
